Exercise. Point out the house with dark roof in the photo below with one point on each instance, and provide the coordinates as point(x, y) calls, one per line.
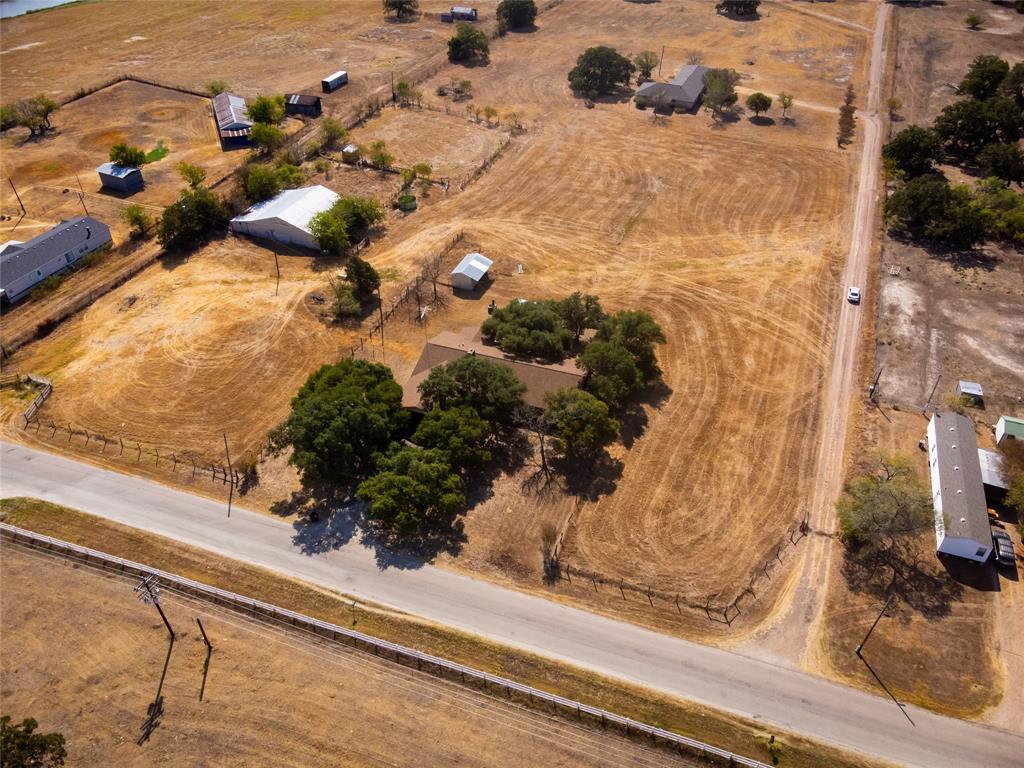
point(24, 265)
point(448, 346)
point(302, 104)
point(958, 491)
point(684, 92)
point(233, 124)
point(121, 178)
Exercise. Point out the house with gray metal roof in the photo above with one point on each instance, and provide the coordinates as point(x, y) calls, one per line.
point(233, 124)
point(24, 265)
point(683, 92)
point(958, 492)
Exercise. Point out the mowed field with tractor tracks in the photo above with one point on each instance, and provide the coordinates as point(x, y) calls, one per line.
point(731, 234)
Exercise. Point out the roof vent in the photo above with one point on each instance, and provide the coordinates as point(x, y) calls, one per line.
point(956, 467)
point(959, 490)
point(963, 519)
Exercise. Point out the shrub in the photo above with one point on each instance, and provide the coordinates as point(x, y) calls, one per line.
point(123, 154)
point(516, 14)
point(47, 286)
point(468, 43)
point(345, 305)
point(215, 87)
point(334, 132)
point(189, 221)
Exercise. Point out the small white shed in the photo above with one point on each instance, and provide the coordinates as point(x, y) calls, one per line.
point(971, 390)
point(470, 272)
point(334, 81)
point(1009, 428)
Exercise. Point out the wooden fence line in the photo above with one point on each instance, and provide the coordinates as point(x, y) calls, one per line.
point(435, 665)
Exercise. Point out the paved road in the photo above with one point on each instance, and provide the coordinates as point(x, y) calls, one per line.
point(721, 679)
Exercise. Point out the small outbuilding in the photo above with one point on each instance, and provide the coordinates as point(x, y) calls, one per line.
point(471, 272)
point(462, 13)
point(302, 104)
point(972, 391)
point(958, 490)
point(233, 124)
point(335, 81)
point(350, 153)
point(24, 265)
point(121, 178)
point(1009, 428)
point(285, 217)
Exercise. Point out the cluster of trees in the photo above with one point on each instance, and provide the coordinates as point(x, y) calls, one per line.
point(21, 745)
point(543, 329)
point(600, 70)
point(355, 290)
point(979, 132)
point(516, 14)
point(33, 113)
point(847, 118)
point(738, 8)
point(198, 212)
point(468, 43)
point(262, 181)
point(349, 217)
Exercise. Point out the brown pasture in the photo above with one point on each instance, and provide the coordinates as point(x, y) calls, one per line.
point(84, 656)
point(730, 234)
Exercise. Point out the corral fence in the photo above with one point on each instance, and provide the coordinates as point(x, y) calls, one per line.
point(716, 610)
point(443, 668)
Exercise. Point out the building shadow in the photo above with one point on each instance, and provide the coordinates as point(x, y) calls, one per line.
point(981, 577)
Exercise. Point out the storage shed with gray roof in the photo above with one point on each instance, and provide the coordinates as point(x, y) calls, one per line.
point(24, 265)
point(683, 92)
point(958, 492)
point(123, 178)
point(233, 124)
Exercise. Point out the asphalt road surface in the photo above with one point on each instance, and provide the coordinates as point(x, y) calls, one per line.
point(722, 679)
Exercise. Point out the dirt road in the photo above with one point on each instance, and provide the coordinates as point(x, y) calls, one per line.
point(793, 634)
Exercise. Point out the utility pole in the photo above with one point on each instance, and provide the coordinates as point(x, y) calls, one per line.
point(380, 311)
point(23, 211)
point(231, 474)
point(81, 195)
point(661, 60)
point(148, 590)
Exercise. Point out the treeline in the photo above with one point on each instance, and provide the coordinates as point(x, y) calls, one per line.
point(979, 133)
point(347, 428)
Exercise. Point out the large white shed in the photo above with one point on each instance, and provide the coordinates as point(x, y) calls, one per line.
point(470, 271)
point(285, 218)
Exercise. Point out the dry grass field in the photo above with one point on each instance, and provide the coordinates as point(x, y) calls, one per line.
point(45, 169)
point(84, 658)
point(730, 234)
point(258, 46)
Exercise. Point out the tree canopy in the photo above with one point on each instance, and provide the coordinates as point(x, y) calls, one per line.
point(123, 154)
point(517, 14)
point(579, 422)
point(363, 278)
point(645, 62)
point(759, 102)
point(529, 329)
point(968, 125)
point(928, 207)
point(412, 487)
point(350, 217)
point(984, 77)
point(266, 109)
point(611, 374)
point(1004, 161)
point(187, 223)
point(468, 43)
point(22, 747)
point(135, 216)
point(737, 7)
point(342, 416)
point(637, 333)
point(266, 136)
point(914, 150)
point(401, 8)
point(193, 175)
point(720, 89)
point(491, 389)
point(600, 70)
point(878, 509)
point(459, 432)
point(580, 312)
point(34, 113)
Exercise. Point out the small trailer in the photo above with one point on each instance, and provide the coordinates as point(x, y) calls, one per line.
point(459, 13)
point(335, 81)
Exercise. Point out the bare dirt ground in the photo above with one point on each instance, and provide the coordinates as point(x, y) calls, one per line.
point(45, 169)
point(256, 47)
point(940, 316)
point(84, 658)
point(731, 235)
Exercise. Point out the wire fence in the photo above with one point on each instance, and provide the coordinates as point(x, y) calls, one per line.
point(448, 670)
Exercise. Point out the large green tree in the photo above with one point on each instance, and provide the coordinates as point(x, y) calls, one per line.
point(966, 126)
point(579, 422)
point(645, 62)
point(637, 333)
point(123, 154)
point(468, 43)
point(529, 329)
point(600, 70)
point(1004, 161)
point(611, 374)
point(928, 207)
point(188, 222)
point(984, 77)
point(1012, 86)
point(759, 102)
point(342, 416)
point(34, 113)
point(459, 432)
point(491, 389)
point(266, 136)
point(412, 487)
point(401, 8)
point(363, 278)
point(914, 150)
point(266, 109)
point(349, 218)
point(880, 508)
point(720, 90)
point(517, 14)
point(580, 312)
point(22, 747)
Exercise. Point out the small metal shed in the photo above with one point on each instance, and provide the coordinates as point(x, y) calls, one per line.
point(462, 13)
point(971, 390)
point(470, 272)
point(302, 104)
point(335, 81)
point(122, 178)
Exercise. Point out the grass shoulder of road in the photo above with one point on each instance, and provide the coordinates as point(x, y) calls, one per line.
point(723, 730)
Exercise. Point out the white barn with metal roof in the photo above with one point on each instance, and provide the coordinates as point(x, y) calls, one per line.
point(470, 271)
point(285, 218)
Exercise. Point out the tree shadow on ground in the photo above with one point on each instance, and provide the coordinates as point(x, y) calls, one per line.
point(633, 418)
point(762, 120)
point(591, 478)
point(414, 551)
point(722, 120)
point(618, 96)
point(918, 582)
point(960, 259)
